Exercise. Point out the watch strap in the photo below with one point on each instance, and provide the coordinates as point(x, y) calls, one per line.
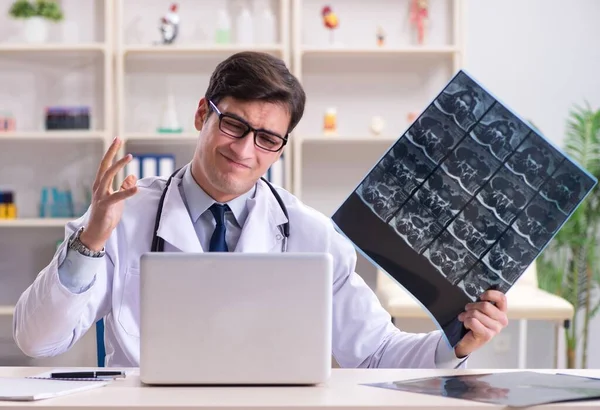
point(76, 245)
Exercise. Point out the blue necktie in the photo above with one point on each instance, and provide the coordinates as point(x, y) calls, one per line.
point(217, 241)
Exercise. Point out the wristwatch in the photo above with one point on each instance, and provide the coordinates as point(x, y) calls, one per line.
point(76, 245)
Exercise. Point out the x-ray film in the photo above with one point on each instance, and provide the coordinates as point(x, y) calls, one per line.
point(464, 201)
point(518, 389)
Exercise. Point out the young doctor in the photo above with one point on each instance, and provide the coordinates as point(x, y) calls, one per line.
point(219, 203)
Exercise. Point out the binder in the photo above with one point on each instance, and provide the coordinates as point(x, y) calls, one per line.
point(276, 172)
point(151, 165)
point(134, 167)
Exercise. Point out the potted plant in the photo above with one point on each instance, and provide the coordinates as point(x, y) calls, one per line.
point(570, 265)
point(36, 14)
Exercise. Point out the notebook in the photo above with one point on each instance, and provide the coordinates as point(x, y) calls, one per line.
point(29, 389)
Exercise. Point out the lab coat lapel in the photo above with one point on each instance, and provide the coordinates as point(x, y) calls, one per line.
point(176, 226)
point(261, 232)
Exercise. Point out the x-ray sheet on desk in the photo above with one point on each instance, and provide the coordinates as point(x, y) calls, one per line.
point(464, 201)
point(512, 389)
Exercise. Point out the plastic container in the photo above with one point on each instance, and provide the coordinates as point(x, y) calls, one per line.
point(266, 24)
point(244, 27)
point(223, 33)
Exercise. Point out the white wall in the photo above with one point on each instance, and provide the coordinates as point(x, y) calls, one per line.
point(540, 57)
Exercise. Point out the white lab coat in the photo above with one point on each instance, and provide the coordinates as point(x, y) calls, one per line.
point(49, 318)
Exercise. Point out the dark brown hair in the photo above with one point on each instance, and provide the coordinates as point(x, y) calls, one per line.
point(251, 76)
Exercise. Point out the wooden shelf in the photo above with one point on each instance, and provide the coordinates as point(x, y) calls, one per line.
point(185, 137)
point(52, 47)
point(77, 135)
point(334, 139)
point(34, 222)
point(365, 80)
point(362, 51)
point(198, 49)
point(76, 67)
point(7, 310)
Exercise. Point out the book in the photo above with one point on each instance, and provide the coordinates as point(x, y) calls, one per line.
point(30, 389)
point(464, 201)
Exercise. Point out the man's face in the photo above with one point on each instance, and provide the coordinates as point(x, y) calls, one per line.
point(227, 167)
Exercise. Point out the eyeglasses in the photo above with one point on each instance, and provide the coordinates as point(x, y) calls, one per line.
point(237, 128)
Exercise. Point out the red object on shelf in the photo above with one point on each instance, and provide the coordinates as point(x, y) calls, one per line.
point(330, 19)
point(419, 15)
point(7, 122)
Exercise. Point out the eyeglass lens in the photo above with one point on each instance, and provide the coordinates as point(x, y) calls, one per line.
point(236, 128)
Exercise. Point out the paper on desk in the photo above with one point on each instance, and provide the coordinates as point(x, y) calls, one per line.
point(515, 389)
point(29, 389)
point(464, 201)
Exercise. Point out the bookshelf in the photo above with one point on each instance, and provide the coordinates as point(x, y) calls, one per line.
point(74, 68)
point(351, 73)
point(147, 73)
point(113, 66)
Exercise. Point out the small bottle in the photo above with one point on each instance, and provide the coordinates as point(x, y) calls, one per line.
point(223, 34)
point(266, 24)
point(330, 122)
point(2, 205)
point(244, 27)
point(11, 207)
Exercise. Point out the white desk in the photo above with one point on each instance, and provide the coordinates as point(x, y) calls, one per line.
point(343, 391)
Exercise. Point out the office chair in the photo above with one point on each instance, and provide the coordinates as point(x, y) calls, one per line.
point(100, 349)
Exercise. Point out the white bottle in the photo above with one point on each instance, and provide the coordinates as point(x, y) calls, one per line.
point(223, 34)
point(244, 28)
point(266, 25)
point(170, 122)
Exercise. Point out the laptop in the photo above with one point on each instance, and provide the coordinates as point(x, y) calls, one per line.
point(235, 318)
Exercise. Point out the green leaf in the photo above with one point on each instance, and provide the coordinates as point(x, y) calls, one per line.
point(581, 142)
point(563, 265)
point(47, 9)
point(21, 9)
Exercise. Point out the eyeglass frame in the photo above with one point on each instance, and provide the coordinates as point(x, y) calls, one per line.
point(249, 129)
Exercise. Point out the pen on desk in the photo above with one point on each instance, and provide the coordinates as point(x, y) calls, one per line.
point(86, 375)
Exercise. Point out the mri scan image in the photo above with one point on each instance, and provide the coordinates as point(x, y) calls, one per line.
point(510, 256)
point(470, 164)
point(464, 101)
point(539, 222)
point(534, 160)
point(481, 279)
point(499, 131)
point(476, 228)
point(449, 257)
point(505, 195)
point(470, 192)
point(382, 193)
point(412, 168)
point(567, 187)
point(435, 134)
point(442, 196)
point(416, 225)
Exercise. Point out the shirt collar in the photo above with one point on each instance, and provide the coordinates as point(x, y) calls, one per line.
point(198, 201)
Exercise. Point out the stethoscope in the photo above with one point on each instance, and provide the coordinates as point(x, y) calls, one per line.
point(158, 243)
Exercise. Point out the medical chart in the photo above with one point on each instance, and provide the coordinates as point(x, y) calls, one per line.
point(464, 201)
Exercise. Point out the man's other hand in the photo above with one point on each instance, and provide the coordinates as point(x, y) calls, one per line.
point(484, 320)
